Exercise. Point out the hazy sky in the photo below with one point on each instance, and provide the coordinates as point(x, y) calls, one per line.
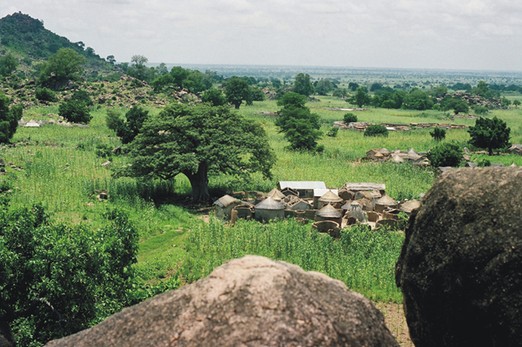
point(447, 34)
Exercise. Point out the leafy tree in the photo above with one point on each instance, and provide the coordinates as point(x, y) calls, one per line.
point(111, 59)
point(303, 85)
point(482, 89)
point(45, 95)
point(214, 96)
point(445, 154)
point(324, 86)
point(417, 99)
point(55, 279)
point(197, 141)
point(9, 117)
point(456, 104)
point(64, 66)
point(74, 111)
point(361, 97)
point(127, 129)
point(332, 132)
point(438, 134)
point(138, 68)
point(516, 103)
point(353, 86)
point(490, 133)
point(237, 89)
point(349, 118)
point(8, 64)
point(376, 130)
point(300, 126)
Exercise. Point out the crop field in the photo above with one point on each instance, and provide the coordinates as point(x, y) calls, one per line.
point(61, 168)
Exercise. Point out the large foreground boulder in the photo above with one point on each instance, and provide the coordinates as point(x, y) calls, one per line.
point(252, 301)
point(461, 264)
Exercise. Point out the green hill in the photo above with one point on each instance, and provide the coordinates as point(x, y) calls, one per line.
point(28, 40)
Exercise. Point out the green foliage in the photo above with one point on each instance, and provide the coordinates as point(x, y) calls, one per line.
point(361, 97)
point(364, 260)
point(8, 64)
point(458, 105)
point(214, 96)
point(64, 66)
point(388, 98)
point(303, 85)
point(332, 132)
point(196, 141)
point(237, 89)
point(417, 99)
point(480, 110)
point(438, 134)
point(45, 95)
point(491, 133)
point(127, 129)
point(445, 154)
point(83, 96)
point(324, 86)
point(516, 103)
point(349, 118)
point(75, 111)
point(376, 130)
point(56, 280)
point(9, 117)
point(300, 126)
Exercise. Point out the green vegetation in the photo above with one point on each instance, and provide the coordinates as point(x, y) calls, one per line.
point(9, 117)
point(127, 129)
point(349, 118)
point(438, 134)
point(75, 111)
point(62, 67)
point(490, 133)
point(376, 130)
point(445, 154)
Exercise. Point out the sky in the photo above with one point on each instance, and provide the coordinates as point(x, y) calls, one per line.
point(426, 34)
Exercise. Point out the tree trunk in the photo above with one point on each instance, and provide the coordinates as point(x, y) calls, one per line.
point(199, 183)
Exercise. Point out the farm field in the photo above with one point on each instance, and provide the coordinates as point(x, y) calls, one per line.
point(61, 168)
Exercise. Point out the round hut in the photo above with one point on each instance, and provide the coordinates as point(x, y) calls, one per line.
point(354, 210)
point(384, 203)
point(269, 209)
point(330, 213)
point(330, 198)
point(276, 194)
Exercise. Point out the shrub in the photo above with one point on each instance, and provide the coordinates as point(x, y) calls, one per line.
point(332, 132)
point(481, 110)
point(376, 130)
point(349, 118)
point(438, 134)
point(9, 117)
point(445, 154)
point(45, 95)
point(75, 111)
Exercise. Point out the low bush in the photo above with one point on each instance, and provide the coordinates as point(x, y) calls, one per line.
point(445, 154)
point(45, 95)
point(349, 118)
point(75, 111)
point(376, 130)
point(438, 134)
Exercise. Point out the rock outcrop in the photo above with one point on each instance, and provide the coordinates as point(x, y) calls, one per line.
point(461, 264)
point(252, 301)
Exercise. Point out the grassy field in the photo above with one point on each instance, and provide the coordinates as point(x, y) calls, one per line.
point(61, 168)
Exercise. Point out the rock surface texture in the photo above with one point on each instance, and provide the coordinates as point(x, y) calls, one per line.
point(461, 264)
point(252, 301)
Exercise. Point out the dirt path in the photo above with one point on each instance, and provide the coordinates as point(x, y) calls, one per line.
point(396, 322)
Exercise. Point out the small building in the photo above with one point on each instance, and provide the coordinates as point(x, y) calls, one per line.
point(290, 192)
point(384, 203)
point(269, 209)
point(304, 188)
point(300, 205)
point(330, 213)
point(329, 197)
point(224, 206)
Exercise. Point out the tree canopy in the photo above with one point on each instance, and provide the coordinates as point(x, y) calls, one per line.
point(9, 117)
point(197, 141)
point(303, 85)
point(127, 129)
point(237, 89)
point(62, 67)
point(491, 133)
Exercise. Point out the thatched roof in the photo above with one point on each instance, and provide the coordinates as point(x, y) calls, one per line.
point(386, 200)
point(225, 201)
point(276, 194)
point(330, 196)
point(270, 204)
point(329, 212)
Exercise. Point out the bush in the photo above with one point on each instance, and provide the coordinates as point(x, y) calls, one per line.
point(445, 154)
point(376, 130)
point(481, 110)
point(75, 111)
point(45, 95)
point(332, 132)
point(438, 134)
point(9, 117)
point(349, 118)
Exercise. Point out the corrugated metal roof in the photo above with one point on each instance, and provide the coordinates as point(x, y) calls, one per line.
point(270, 204)
point(300, 185)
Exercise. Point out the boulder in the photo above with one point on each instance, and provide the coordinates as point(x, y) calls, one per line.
point(252, 301)
point(460, 265)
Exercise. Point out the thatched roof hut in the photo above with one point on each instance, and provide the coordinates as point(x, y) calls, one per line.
point(330, 197)
point(224, 206)
point(384, 203)
point(269, 209)
point(329, 212)
point(276, 194)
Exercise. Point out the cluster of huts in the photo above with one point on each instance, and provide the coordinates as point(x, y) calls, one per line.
point(361, 126)
point(397, 156)
point(330, 209)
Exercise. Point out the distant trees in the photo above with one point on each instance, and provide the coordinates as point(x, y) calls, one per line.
point(303, 85)
point(180, 78)
point(127, 129)
point(361, 97)
point(237, 90)
point(64, 66)
point(300, 126)
point(8, 64)
point(417, 99)
point(198, 141)
point(9, 117)
point(490, 133)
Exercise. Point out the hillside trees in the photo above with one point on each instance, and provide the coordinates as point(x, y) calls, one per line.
point(199, 141)
point(64, 66)
point(490, 133)
point(9, 117)
point(127, 129)
point(299, 125)
point(76, 109)
point(8, 64)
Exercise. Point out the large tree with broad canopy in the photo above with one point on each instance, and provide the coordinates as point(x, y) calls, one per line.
point(197, 141)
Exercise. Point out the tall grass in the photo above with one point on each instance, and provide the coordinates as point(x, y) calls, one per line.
point(363, 260)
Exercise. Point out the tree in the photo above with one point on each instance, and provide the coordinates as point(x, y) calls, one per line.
point(302, 85)
point(9, 117)
point(64, 66)
point(75, 111)
point(197, 141)
point(516, 103)
point(56, 279)
point(237, 89)
point(376, 130)
point(300, 126)
point(349, 118)
point(445, 154)
point(490, 133)
point(8, 64)
point(127, 129)
point(138, 68)
point(438, 134)
point(417, 99)
point(214, 96)
point(361, 97)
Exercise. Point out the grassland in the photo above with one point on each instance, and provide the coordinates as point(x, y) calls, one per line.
point(61, 168)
